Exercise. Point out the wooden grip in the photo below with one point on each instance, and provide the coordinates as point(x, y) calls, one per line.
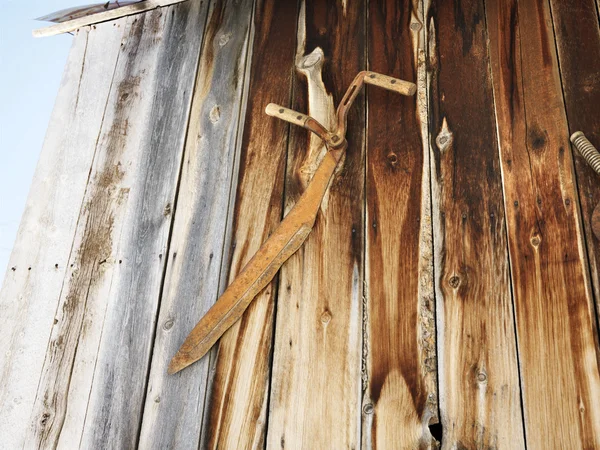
point(289, 115)
point(393, 84)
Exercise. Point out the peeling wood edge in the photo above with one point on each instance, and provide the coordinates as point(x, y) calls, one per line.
point(73, 25)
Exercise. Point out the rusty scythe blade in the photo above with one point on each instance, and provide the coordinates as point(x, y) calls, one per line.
point(291, 232)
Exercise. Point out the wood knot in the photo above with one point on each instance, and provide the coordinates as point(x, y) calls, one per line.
point(482, 377)
point(215, 114)
point(45, 418)
point(535, 240)
point(326, 317)
point(392, 158)
point(415, 26)
point(368, 408)
point(444, 137)
point(168, 325)
point(224, 39)
point(454, 281)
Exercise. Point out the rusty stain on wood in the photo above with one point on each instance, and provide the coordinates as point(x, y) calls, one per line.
point(558, 348)
point(478, 377)
point(401, 395)
point(578, 44)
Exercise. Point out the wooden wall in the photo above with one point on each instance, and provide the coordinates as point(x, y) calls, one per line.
point(448, 292)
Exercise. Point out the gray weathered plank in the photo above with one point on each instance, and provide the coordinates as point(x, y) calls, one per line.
point(93, 383)
point(116, 400)
point(32, 286)
point(175, 403)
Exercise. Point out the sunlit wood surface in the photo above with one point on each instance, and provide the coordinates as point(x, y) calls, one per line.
point(447, 296)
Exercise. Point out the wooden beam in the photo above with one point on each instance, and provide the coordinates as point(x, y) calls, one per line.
point(400, 398)
point(31, 289)
point(93, 382)
point(316, 381)
point(558, 350)
point(478, 370)
point(578, 43)
point(235, 414)
point(175, 404)
point(112, 14)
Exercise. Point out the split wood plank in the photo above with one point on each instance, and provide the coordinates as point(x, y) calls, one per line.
point(175, 404)
point(316, 378)
point(32, 285)
point(577, 33)
point(93, 382)
point(553, 300)
point(104, 16)
point(401, 387)
point(478, 368)
point(235, 414)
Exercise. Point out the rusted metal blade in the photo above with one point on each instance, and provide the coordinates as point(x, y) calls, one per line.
point(260, 270)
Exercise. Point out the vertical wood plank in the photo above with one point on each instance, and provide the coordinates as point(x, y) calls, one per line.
point(174, 36)
point(32, 285)
point(577, 34)
point(175, 404)
point(315, 395)
point(93, 381)
point(401, 389)
point(478, 370)
point(236, 410)
point(553, 300)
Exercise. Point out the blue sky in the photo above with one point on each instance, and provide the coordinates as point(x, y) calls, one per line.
point(30, 73)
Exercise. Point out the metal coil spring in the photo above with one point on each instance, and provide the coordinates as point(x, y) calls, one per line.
point(587, 150)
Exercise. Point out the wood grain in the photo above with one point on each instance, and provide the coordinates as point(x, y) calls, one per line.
point(315, 395)
point(39, 261)
point(175, 404)
point(558, 351)
point(236, 413)
point(401, 393)
point(577, 34)
point(478, 370)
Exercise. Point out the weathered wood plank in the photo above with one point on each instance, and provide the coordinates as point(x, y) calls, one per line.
point(315, 395)
point(235, 416)
point(401, 393)
point(116, 402)
point(553, 300)
point(577, 34)
point(112, 14)
point(175, 404)
point(93, 381)
point(478, 370)
point(32, 285)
